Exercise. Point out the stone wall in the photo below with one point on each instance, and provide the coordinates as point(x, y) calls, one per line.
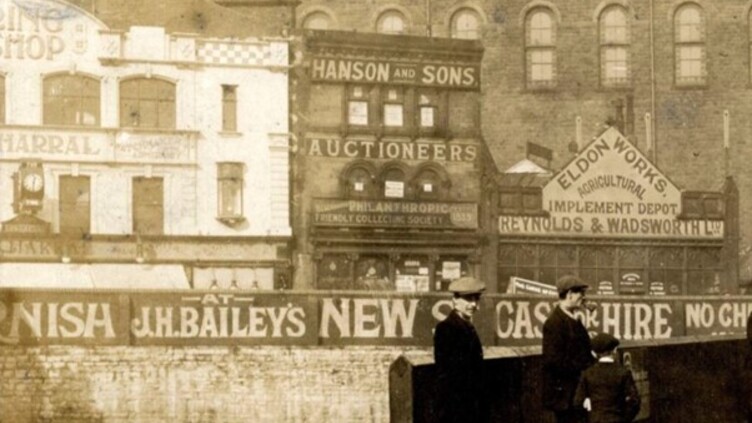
point(191, 384)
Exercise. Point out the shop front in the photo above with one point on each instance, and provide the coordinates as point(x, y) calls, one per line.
point(613, 218)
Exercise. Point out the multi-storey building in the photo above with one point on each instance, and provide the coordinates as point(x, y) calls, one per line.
point(140, 158)
point(672, 76)
point(391, 174)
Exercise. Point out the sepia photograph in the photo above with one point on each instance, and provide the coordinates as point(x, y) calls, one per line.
point(376, 211)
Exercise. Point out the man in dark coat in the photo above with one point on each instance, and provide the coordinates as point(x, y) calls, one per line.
point(566, 352)
point(458, 355)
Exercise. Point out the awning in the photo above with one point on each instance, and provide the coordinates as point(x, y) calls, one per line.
point(113, 276)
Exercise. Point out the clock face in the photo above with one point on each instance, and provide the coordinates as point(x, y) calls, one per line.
point(33, 182)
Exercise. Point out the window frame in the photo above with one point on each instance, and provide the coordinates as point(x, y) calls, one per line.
point(311, 16)
point(465, 33)
point(388, 15)
point(682, 45)
point(610, 43)
point(137, 203)
point(74, 208)
point(534, 47)
point(158, 103)
point(229, 108)
point(230, 174)
point(57, 108)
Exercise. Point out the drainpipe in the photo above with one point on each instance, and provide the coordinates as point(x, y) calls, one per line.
point(428, 18)
point(652, 87)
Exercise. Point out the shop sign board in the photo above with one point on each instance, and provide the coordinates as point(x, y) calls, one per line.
point(391, 150)
point(611, 189)
point(23, 143)
point(91, 317)
point(395, 214)
point(446, 75)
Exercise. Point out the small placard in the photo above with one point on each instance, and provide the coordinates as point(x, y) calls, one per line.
point(426, 117)
point(394, 189)
point(450, 270)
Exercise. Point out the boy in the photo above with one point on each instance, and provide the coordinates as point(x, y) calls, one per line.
point(607, 389)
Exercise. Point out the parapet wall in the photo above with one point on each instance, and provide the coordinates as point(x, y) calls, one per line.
point(687, 380)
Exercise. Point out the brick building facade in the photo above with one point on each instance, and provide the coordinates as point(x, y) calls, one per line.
point(672, 76)
point(388, 190)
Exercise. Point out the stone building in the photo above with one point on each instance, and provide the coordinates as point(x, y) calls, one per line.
point(139, 157)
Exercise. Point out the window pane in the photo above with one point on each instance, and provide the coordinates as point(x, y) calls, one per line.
point(229, 108)
point(147, 103)
point(148, 205)
point(465, 24)
point(689, 22)
point(391, 22)
point(71, 100)
point(230, 180)
point(614, 26)
point(317, 20)
point(540, 29)
point(75, 205)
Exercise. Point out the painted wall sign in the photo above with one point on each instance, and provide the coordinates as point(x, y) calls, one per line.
point(335, 212)
point(43, 30)
point(35, 317)
point(222, 318)
point(393, 150)
point(105, 146)
point(611, 190)
point(43, 318)
point(371, 71)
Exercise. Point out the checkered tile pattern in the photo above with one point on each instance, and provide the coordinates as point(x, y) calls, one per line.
point(229, 53)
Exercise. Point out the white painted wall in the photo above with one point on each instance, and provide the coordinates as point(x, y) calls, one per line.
point(190, 197)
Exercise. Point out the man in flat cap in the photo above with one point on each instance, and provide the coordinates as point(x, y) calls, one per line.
point(459, 358)
point(566, 352)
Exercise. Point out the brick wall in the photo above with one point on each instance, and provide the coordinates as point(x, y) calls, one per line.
point(688, 122)
point(212, 384)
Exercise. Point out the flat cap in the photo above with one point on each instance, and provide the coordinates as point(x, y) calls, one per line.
point(603, 343)
point(467, 285)
point(569, 282)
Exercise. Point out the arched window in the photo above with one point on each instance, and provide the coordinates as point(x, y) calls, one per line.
point(465, 24)
point(391, 22)
point(614, 41)
point(540, 47)
point(428, 184)
point(317, 20)
point(358, 181)
point(71, 100)
point(147, 103)
point(689, 36)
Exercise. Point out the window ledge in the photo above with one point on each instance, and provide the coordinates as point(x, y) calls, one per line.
point(232, 221)
point(230, 134)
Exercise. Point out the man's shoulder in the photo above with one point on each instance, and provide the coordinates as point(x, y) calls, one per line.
point(555, 318)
